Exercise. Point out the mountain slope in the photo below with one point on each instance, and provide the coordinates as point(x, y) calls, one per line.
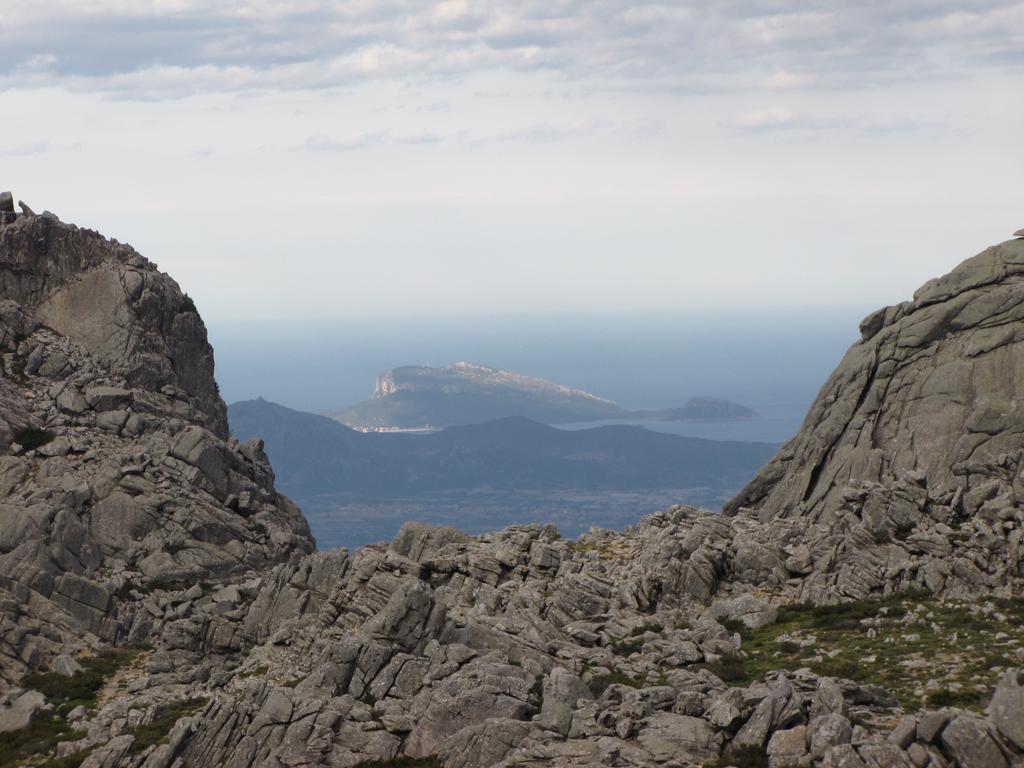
point(931, 396)
point(313, 454)
point(117, 472)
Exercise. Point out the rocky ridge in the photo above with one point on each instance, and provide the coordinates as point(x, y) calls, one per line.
point(135, 521)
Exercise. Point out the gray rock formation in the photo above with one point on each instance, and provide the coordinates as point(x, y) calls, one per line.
point(128, 518)
point(117, 471)
point(924, 408)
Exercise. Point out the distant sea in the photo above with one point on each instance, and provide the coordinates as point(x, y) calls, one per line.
point(771, 359)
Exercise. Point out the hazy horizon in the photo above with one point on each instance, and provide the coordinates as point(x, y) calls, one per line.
point(772, 359)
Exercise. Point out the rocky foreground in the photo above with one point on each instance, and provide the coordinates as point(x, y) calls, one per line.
point(162, 605)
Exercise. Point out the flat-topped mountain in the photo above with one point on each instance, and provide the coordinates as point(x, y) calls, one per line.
point(466, 393)
point(161, 605)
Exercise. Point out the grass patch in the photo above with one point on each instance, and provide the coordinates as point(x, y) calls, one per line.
point(31, 438)
point(40, 737)
point(951, 642)
point(159, 727)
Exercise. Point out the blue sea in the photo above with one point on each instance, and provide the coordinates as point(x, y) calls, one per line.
point(771, 359)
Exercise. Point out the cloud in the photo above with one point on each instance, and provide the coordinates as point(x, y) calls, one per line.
point(781, 119)
point(770, 119)
point(32, 148)
point(175, 48)
point(25, 150)
point(323, 143)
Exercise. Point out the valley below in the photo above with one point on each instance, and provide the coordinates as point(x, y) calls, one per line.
point(347, 520)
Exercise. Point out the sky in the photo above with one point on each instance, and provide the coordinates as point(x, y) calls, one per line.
point(305, 159)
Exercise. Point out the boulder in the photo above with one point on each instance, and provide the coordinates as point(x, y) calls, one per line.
point(563, 691)
point(22, 711)
point(968, 741)
point(1007, 708)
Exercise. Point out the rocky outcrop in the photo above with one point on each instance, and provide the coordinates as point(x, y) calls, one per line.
point(117, 473)
point(929, 398)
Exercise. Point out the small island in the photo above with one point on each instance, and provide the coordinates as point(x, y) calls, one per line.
point(422, 397)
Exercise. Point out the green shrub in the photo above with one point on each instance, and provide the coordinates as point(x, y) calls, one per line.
point(187, 305)
point(741, 757)
point(66, 693)
point(652, 626)
point(31, 438)
point(627, 646)
point(964, 697)
point(729, 669)
point(537, 690)
point(598, 684)
point(159, 727)
point(39, 738)
point(733, 625)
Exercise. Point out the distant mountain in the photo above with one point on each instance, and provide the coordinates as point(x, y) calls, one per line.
point(314, 454)
point(465, 393)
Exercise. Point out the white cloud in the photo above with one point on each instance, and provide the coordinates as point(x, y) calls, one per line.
point(770, 118)
point(171, 48)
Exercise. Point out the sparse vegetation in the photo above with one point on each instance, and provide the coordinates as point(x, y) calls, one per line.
point(537, 690)
point(730, 669)
point(39, 738)
point(159, 727)
point(742, 757)
point(68, 761)
point(899, 642)
point(187, 305)
point(598, 684)
point(31, 438)
point(65, 693)
point(643, 629)
point(627, 646)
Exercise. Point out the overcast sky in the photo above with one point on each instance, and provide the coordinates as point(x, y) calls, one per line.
point(312, 159)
